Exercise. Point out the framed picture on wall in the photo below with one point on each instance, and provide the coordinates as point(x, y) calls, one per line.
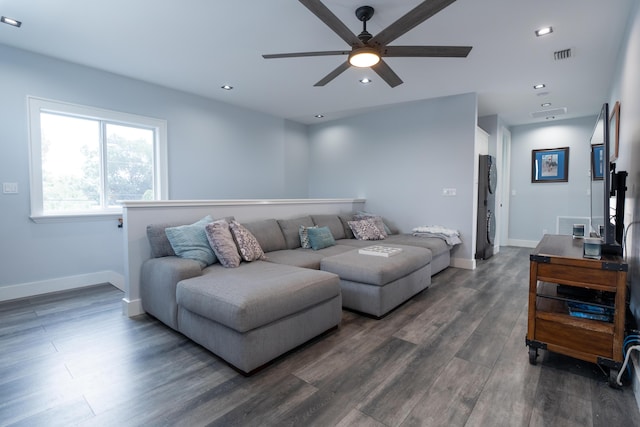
point(550, 165)
point(597, 162)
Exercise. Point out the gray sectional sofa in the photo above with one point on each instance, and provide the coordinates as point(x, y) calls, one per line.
point(252, 314)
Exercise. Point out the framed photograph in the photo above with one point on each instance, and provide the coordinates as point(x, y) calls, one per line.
point(614, 133)
point(550, 165)
point(597, 162)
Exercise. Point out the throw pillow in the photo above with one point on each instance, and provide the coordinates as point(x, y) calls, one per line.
point(304, 236)
point(320, 238)
point(376, 219)
point(366, 229)
point(221, 241)
point(190, 241)
point(248, 245)
point(379, 222)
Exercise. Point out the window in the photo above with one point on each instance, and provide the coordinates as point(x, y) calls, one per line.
point(84, 160)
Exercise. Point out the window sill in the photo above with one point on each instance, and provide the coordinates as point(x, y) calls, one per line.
point(77, 217)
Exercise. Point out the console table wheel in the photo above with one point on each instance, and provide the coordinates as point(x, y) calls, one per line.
point(613, 378)
point(533, 355)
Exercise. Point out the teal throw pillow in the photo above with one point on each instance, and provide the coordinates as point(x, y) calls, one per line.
point(320, 238)
point(304, 236)
point(190, 241)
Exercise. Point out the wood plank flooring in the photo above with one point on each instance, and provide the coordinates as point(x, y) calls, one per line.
point(454, 355)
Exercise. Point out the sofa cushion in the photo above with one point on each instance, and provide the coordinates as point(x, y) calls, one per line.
point(255, 294)
point(304, 237)
point(366, 229)
point(291, 230)
point(222, 243)
point(320, 238)
point(190, 242)
point(248, 245)
point(436, 245)
point(331, 221)
point(268, 233)
point(348, 234)
point(305, 258)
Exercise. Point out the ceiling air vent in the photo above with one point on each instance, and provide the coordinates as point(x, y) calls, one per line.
point(562, 54)
point(548, 113)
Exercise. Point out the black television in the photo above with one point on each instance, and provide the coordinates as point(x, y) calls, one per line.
point(607, 189)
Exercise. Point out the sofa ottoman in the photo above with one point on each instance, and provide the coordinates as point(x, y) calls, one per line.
point(375, 285)
point(253, 314)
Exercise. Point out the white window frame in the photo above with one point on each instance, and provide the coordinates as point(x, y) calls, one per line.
point(37, 105)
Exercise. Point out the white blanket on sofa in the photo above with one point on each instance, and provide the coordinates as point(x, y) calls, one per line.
point(451, 236)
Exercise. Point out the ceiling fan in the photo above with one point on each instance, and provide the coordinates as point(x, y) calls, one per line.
point(367, 50)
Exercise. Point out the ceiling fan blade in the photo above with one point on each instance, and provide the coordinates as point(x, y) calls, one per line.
point(325, 15)
point(300, 54)
point(387, 74)
point(427, 51)
point(416, 16)
point(335, 73)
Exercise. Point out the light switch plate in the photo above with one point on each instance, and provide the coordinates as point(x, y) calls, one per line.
point(10, 187)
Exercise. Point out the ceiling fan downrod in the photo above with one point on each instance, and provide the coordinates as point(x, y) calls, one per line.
point(364, 13)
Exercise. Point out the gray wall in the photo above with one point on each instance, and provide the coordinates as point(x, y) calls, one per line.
point(399, 159)
point(216, 151)
point(535, 207)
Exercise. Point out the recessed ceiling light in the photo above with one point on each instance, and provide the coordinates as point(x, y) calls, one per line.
point(318, 116)
point(544, 31)
point(226, 87)
point(539, 86)
point(10, 21)
point(365, 81)
point(546, 104)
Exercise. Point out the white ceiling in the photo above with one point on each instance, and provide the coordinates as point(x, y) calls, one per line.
point(198, 45)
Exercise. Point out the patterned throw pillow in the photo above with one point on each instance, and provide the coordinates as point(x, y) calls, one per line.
point(375, 218)
point(366, 229)
point(248, 245)
point(320, 238)
point(304, 236)
point(190, 241)
point(222, 243)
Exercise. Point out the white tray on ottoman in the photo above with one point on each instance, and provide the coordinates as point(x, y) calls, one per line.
point(374, 284)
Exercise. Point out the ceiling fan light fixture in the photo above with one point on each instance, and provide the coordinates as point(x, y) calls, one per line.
point(364, 57)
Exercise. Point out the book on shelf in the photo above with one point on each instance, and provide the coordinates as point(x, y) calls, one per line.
point(379, 250)
point(590, 311)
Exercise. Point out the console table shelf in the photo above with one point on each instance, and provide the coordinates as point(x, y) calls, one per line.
point(561, 280)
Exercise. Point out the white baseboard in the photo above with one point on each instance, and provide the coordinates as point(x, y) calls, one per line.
point(467, 264)
point(31, 289)
point(132, 308)
point(523, 243)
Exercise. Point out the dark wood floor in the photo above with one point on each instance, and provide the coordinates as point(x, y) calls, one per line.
point(452, 356)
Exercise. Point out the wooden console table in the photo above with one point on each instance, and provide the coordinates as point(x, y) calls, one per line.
point(561, 279)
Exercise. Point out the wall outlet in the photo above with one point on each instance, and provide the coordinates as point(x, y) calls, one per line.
point(10, 187)
point(449, 191)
